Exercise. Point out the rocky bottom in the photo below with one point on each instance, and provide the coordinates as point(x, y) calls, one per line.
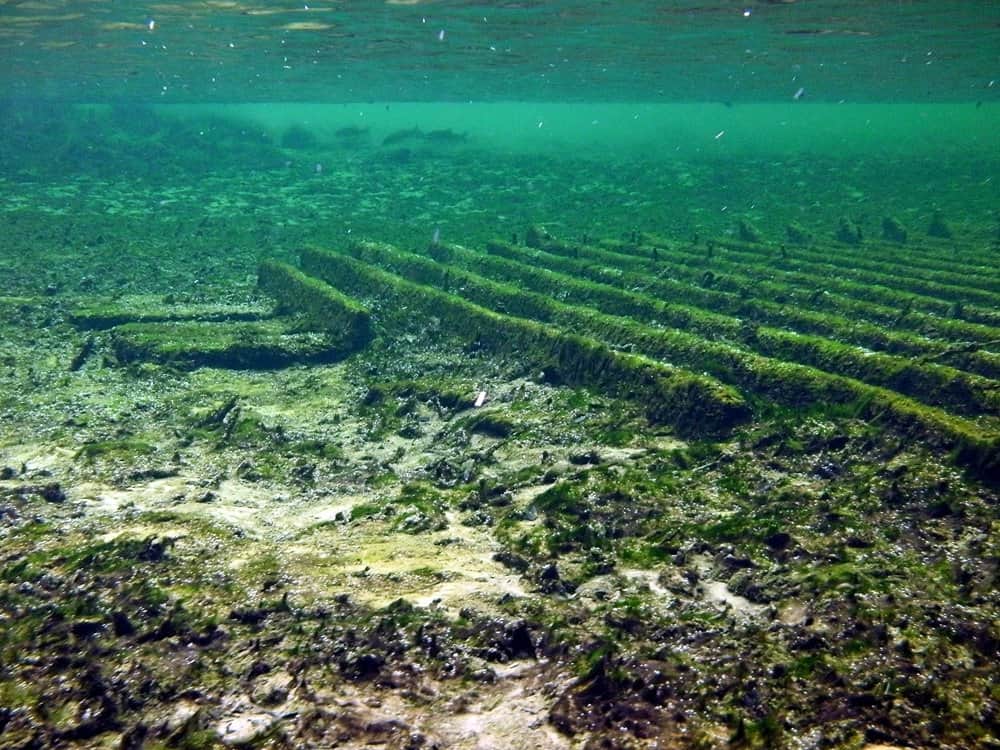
point(356, 554)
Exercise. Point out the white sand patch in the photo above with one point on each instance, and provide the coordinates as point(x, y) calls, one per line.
point(513, 714)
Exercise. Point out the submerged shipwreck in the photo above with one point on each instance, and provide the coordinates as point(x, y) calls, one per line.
point(639, 492)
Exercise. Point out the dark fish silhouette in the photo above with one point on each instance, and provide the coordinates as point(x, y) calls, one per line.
point(351, 132)
point(445, 136)
point(398, 136)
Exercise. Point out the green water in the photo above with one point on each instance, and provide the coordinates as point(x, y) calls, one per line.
point(617, 374)
point(593, 116)
point(656, 131)
point(414, 50)
point(399, 170)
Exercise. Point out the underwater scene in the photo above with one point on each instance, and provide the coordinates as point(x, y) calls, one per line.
point(421, 374)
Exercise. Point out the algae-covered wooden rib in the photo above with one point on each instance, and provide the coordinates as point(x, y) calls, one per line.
point(878, 299)
point(326, 308)
point(887, 262)
point(970, 259)
point(973, 256)
point(953, 264)
point(848, 330)
point(933, 296)
point(869, 263)
point(813, 310)
point(784, 382)
point(154, 309)
point(694, 404)
point(241, 345)
point(760, 284)
point(930, 382)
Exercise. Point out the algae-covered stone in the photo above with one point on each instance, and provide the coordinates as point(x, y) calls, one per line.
point(535, 236)
point(240, 731)
point(298, 137)
point(261, 345)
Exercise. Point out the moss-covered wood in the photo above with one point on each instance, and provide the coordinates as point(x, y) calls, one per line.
point(885, 258)
point(743, 262)
point(741, 266)
point(875, 261)
point(324, 307)
point(681, 271)
point(975, 281)
point(965, 264)
point(925, 255)
point(785, 382)
point(260, 345)
point(692, 403)
point(928, 381)
point(100, 315)
point(933, 295)
point(783, 314)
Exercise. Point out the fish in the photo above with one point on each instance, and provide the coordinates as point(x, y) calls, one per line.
point(398, 136)
point(445, 136)
point(351, 132)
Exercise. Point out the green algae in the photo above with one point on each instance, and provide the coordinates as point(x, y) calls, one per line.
point(325, 308)
point(782, 381)
point(685, 399)
point(416, 508)
point(255, 345)
point(102, 315)
point(126, 450)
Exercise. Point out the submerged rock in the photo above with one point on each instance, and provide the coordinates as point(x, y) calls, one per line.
point(778, 541)
point(536, 236)
point(53, 493)
point(243, 730)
